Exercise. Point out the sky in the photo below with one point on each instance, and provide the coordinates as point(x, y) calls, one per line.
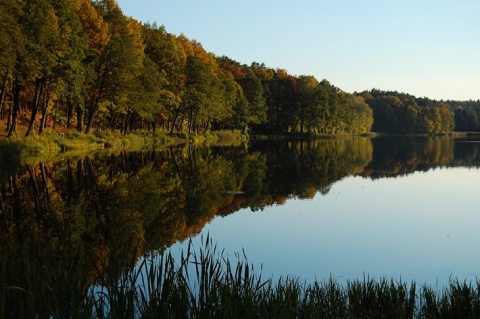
point(427, 48)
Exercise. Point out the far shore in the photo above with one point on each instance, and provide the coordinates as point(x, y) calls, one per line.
point(61, 141)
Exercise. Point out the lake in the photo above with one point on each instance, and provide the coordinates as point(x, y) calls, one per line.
point(410, 211)
point(405, 208)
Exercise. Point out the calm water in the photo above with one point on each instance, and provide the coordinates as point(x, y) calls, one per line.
point(413, 217)
point(407, 208)
point(421, 227)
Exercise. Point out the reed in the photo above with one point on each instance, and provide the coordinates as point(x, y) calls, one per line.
point(206, 283)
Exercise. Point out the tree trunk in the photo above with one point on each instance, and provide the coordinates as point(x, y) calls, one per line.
point(69, 113)
point(124, 123)
point(71, 194)
point(45, 184)
point(91, 115)
point(80, 177)
point(113, 121)
point(17, 198)
point(2, 95)
point(175, 163)
point(206, 126)
point(128, 122)
point(16, 107)
point(102, 215)
point(131, 121)
point(175, 119)
point(79, 118)
point(36, 195)
point(180, 125)
point(43, 122)
point(190, 120)
point(35, 104)
point(9, 119)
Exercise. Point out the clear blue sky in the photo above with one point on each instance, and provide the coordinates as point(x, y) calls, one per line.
point(428, 48)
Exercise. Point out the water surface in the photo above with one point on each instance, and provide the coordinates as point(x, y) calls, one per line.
point(386, 207)
point(422, 227)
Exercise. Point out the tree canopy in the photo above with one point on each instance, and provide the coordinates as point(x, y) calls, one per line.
point(84, 64)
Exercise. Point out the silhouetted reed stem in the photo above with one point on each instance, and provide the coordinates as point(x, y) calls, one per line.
point(207, 284)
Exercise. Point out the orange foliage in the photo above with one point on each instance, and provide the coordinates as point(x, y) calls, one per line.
point(93, 24)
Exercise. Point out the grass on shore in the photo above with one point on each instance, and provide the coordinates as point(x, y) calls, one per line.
point(207, 284)
point(53, 142)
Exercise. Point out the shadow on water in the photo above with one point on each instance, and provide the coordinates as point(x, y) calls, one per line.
point(70, 224)
point(9, 160)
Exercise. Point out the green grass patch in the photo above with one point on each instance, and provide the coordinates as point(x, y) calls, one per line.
point(35, 144)
point(48, 145)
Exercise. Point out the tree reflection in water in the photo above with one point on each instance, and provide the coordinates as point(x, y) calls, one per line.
point(68, 224)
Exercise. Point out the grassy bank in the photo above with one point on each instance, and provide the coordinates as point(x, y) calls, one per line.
point(52, 143)
point(207, 284)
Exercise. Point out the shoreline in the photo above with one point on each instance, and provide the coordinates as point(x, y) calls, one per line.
point(54, 142)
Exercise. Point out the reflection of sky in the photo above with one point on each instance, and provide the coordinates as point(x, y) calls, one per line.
point(422, 227)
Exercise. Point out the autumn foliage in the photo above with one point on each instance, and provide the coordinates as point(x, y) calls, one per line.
point(83, 65)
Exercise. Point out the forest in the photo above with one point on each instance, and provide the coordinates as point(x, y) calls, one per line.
point(84, 66)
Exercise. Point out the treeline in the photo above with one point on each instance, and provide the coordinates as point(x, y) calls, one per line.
point(84, 65)
point(467, 115)
point(395, 112)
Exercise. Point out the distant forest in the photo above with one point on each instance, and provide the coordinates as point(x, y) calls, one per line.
point(84, 65)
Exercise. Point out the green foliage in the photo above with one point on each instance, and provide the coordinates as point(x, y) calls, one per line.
point(467, 116)
point(402, 113)
point(169, 58)
point(250, 107)
point(84, 61)
point(12, 40)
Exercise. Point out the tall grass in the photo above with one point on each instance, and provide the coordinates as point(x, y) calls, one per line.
point(51, 143)
point(205, 283)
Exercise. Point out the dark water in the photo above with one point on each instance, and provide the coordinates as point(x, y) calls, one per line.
point(397, 207)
